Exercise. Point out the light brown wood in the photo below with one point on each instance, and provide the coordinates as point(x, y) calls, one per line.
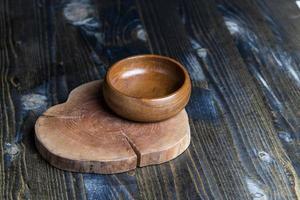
point(84, 135)
point(147, 88)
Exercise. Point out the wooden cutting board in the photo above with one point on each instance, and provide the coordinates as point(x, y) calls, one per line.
point(83, 135)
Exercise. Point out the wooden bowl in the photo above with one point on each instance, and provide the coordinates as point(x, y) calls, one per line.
point(147, 88)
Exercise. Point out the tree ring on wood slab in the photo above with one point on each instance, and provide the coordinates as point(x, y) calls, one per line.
point(84, 135)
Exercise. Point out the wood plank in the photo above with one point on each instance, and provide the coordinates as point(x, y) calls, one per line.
point(114, 32)
point(258, 164)
point(267, 40)
point(23, 174)
point(53, 55)
point(286, 14)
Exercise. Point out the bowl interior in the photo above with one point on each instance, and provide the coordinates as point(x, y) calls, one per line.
point(146, 77)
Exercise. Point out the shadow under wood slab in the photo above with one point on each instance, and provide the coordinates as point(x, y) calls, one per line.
point(83, 135)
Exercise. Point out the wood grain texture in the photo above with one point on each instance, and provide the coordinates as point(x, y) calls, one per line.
point(83, 135)
point(262, 167)
point(238, 150)
point(147, 88)
point(272, 58)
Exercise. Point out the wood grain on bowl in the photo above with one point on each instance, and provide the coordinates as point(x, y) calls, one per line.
point(84, 135)
point(147, 88)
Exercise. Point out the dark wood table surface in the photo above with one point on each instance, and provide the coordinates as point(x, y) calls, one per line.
point(243, 57)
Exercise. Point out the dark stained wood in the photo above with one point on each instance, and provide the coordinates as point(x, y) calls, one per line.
point(147, 88)
point(272, 58)
point(242, 145)
point(261, 165)
point(24, 65)
point(38, 75)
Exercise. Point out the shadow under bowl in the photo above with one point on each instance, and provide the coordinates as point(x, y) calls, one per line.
point(147, 88)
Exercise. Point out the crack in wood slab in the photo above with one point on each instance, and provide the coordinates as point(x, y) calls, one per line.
point(83, 135)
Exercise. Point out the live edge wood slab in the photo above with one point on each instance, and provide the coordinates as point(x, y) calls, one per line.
point(83, 135)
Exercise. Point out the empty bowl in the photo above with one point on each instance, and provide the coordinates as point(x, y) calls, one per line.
point(147, 88)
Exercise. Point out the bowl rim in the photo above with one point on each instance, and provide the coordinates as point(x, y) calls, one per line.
point(184, 84)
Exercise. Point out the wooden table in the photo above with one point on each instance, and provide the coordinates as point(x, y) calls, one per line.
point(243, 57)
